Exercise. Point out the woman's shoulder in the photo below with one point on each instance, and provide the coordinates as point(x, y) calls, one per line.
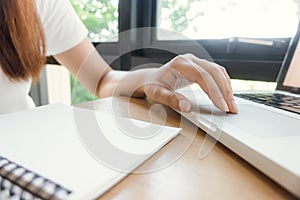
point(47, 7)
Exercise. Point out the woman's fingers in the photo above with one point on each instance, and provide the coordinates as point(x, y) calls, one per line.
point(230, 99)
point(205, 80)
point(213, 79)
point(161, 94)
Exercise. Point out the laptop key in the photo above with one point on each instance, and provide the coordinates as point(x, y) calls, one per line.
point(296, 106)
point(292, 109)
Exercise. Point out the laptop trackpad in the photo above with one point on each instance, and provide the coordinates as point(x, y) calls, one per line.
point(260, 122)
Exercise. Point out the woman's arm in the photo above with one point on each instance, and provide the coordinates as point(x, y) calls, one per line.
point(158, 84)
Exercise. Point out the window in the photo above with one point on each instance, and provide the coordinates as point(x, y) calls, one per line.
point(100, 17)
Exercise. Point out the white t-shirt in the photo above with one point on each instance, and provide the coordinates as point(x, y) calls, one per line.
point(63, 30)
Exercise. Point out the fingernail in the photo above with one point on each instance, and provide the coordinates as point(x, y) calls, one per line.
point(185, 106)
point(233, 103)
point(224, 106)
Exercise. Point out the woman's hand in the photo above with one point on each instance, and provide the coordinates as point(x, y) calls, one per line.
point(160, 84)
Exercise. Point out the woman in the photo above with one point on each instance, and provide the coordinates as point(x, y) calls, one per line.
point(32, 29)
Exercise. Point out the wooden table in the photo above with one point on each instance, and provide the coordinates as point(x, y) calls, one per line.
point(220, 175)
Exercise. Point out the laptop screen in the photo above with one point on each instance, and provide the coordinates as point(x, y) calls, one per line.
point(289, 76)
point(292, 78)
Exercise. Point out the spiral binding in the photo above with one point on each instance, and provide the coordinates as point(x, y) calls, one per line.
point(17, 181)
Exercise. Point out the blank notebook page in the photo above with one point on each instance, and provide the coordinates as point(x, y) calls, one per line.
point(46, 140)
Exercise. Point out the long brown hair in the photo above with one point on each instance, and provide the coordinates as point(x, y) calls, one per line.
point(22, 40)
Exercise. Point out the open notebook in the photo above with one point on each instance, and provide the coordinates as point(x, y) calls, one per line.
point(43, 154)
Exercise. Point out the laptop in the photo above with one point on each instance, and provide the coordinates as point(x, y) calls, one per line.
point(266, 131)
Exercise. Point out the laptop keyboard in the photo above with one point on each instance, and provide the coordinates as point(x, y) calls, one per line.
point(281, 101)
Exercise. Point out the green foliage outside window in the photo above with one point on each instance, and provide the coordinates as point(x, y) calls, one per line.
point(99, 16)
point(179, 16)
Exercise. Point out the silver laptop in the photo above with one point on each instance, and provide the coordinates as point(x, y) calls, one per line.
point(266, 132)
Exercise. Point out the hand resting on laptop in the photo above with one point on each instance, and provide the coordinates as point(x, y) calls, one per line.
point(184, 69)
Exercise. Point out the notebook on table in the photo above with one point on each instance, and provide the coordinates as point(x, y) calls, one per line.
point(266, 131)
point(44, 153)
